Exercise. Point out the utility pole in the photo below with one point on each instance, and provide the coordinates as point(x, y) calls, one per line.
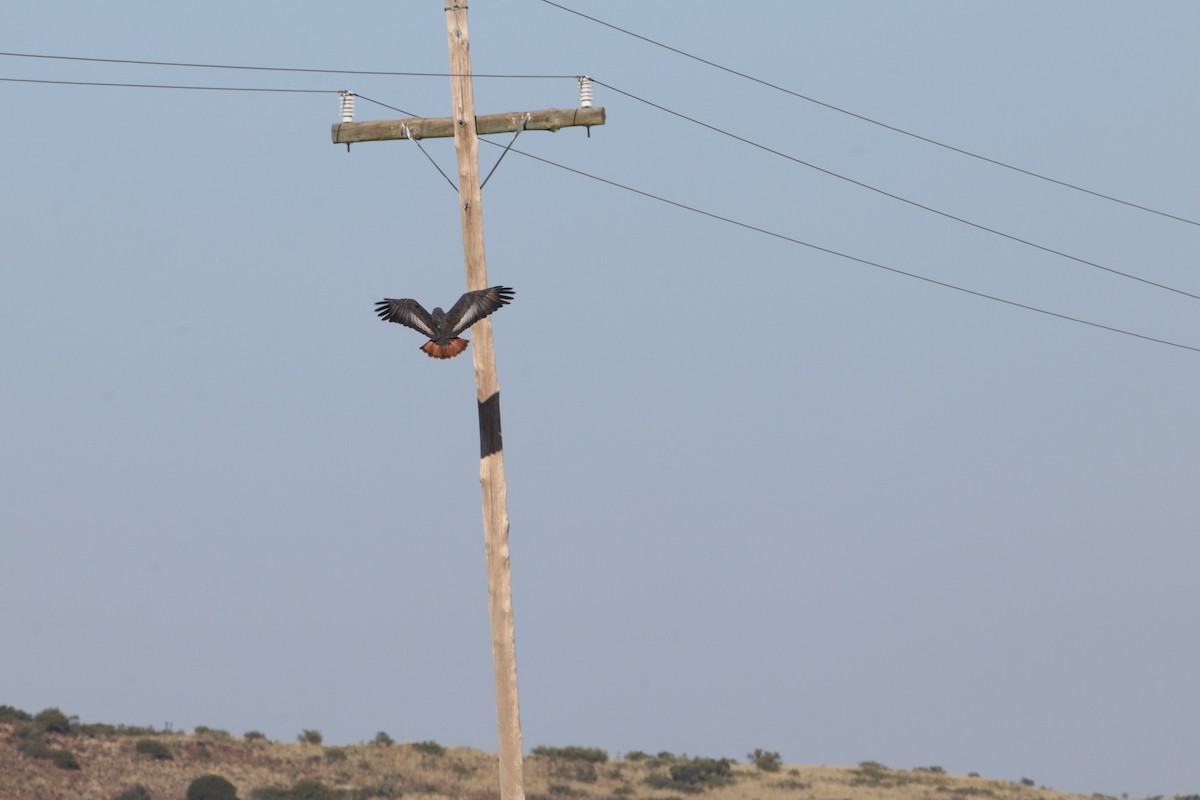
point(487, 389)
point(465, 127)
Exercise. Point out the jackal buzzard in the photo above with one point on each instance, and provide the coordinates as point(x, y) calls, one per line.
point(443, 327)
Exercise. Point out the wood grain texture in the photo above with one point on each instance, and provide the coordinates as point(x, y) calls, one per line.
point(546, 119)
point(491, 465)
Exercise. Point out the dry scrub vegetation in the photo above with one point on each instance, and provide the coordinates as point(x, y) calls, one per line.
point(106, 762)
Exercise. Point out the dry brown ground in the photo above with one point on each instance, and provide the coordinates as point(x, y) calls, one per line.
point(110, 765)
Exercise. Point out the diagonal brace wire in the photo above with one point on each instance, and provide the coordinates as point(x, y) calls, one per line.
point(502, 155)
point(408, 135)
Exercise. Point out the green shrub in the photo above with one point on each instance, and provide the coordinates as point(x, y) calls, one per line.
point(251, 736)
point(573, 763)
point(96, 730)
point(32, 745)
point(694, 775)
point(51, 720)
point(663, 758)
point(792, 785)
point(153, 748)
point(212, 734)
point(583, 771)
point(387, 787)
point(572, 753)
point(872, 773)
point(336, 754)
point(308, 736)
point(139, 730)
point(308, 789)
point(135, 792)
point(211, 787)
point(271, 793)
point(63, 759)
point(636, 755)
point(10, 714)
point(623, 791)
point(702, 772)
point(1027, 781)
point(383, 740)
point(767, 762)
point(429, 748)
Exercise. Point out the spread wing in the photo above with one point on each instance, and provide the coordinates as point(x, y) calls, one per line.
point(407, 312)
point(474, 306)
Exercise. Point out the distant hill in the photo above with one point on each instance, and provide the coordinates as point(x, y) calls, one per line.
point(50, 756)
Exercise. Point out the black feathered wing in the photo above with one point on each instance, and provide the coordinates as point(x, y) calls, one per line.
point(408, 312)
point(474, 306)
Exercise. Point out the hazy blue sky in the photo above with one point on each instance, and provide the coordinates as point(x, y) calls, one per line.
point(761, 496)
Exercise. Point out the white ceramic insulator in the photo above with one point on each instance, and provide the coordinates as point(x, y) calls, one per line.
point(347, 106)
point(585, 92)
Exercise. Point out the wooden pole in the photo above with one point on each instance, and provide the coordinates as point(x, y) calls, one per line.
point(491, 466)
point(465, 127)
point(546, 119)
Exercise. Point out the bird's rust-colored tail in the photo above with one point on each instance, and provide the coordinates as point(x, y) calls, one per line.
point(448, 350)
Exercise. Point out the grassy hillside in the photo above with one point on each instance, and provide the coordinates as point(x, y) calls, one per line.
point(51, 757)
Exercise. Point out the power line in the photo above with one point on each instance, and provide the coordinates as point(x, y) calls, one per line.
point(870, 120)
point(839, 254)
point(272, 69)
point(171, 86)
point(205, 88)
point(885, 193)
point(385, 105)
point(660, 199)
point(396, 73)
point(612, 88)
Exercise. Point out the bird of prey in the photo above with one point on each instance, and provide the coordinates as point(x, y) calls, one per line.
point(443, 327)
